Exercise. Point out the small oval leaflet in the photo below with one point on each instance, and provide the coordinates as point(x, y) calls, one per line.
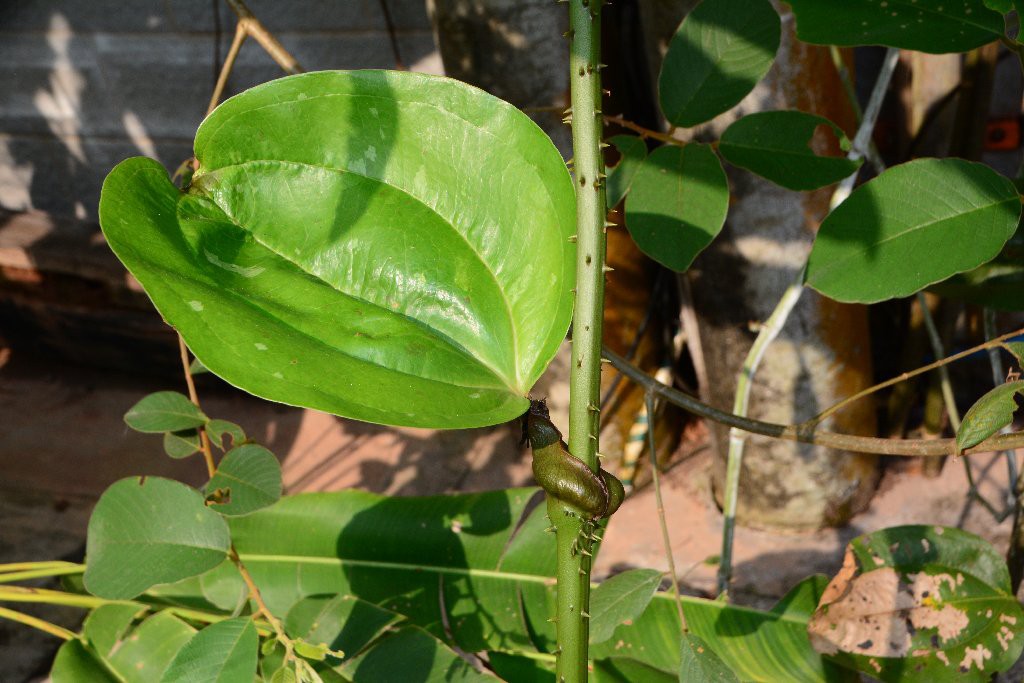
point(387, 246)
point(777, 145)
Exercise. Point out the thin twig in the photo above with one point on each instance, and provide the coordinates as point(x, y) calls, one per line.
point(992, 343)
point(229, 63)
point(998, 377)
point(652, 453)
point(807, 432)
point(204, 439)
point(644, 132)
point(265, 38)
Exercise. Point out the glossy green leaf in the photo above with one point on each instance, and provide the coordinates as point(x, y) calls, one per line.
point(700, 664)
point(626, 670)
point(716, 57)
point(387, 246)
point(251, 475)
point(146, 531)
point(916, 224)
point(989, 414)
point(181, 444)
point(766, 646)
point(218, 429)
point(920, 603)
point(164, 411)
point(934, 26)
point(139, 655)
point(632, 151)
point(678, 204)
point(621, 598)
point(411, 654)
point(777, 145)
point(340, 622)
point(224, 652)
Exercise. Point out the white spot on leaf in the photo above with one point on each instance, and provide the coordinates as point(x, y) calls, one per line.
point(196, 305)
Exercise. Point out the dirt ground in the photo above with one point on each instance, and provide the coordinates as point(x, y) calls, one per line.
point(62, 441)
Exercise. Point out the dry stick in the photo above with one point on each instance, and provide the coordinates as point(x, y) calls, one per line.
point(265, 38)
point(652, 452)
point(807, 432)
point(644, 132)
point(229, 62)
point(990, 344)
point(777, 320)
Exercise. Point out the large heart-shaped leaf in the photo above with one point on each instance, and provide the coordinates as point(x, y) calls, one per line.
point(718, 54)
point(914, 225)
point(935, 26)
point(392, 247)
point(920, 603)
point(148, 530)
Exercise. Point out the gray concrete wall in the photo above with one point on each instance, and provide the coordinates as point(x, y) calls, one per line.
point(87, 83)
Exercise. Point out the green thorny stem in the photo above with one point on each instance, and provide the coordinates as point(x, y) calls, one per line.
point(773, 325)
point(572, 527)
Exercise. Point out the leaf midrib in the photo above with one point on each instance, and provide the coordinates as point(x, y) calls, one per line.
point(295, 560)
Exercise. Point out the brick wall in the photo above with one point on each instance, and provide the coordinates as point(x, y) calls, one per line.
point(87, 83)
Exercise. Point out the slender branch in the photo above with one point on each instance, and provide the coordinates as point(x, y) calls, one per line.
point(257, 597)
point(67, 569)
point(996, 363)
point(45, 564)
point(807, 432)
point(229, 63)
point(991, 343)
point(862, 140)
point(644, 132)
point(35, 622)
point(737, 438)
point(43, 596)
point(652, 453)
point(265, 38)
point(204, 439)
